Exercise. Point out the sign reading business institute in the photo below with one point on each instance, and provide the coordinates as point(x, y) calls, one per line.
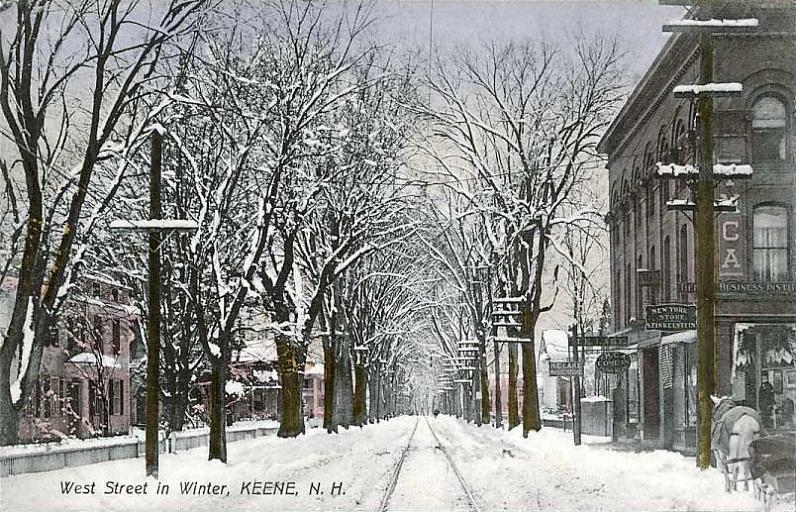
point(671, 317)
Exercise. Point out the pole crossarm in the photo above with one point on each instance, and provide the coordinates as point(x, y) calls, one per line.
point(729, 205)
point(504, 339)
point(155, 225)
point(711, 26)
point(741, 3)
point(708, 90)
point(720, 171)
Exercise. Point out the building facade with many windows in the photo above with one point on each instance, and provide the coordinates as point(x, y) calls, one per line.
point(653, 248)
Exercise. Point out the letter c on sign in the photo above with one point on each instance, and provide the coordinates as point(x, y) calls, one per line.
point(725, 230)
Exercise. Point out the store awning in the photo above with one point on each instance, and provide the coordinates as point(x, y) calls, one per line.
point(679, 337)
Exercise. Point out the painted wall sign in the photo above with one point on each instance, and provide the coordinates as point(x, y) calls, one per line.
point(748, 288)
point(731, 241)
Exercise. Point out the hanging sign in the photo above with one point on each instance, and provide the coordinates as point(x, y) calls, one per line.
point(671, 317)
point(612, 362)
point(565, 368)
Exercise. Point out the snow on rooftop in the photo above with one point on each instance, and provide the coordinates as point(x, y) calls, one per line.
point(91, 358)
point(715, 23)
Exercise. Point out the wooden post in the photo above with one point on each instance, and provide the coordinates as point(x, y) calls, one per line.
point(704, 227)
point(576, 410)
point(153, 318)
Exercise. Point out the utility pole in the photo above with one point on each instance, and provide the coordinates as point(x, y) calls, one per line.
point(152, 411)
point(704, 206)
point(576, 424)
point(154, 226)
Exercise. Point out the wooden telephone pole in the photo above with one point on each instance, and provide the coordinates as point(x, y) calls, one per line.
point(704, 207)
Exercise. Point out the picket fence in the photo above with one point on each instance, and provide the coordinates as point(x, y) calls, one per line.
point(58, 457)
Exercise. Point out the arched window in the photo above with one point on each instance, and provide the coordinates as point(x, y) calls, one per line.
point(770, 243)
point(769, 130)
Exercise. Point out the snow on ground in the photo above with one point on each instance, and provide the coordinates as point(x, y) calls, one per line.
point(505, 471)
point(360, 459)
point(547, 472)
point(426, 481)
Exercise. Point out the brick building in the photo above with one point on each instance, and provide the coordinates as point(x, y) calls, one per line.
point(652, 248)
point(84, 379)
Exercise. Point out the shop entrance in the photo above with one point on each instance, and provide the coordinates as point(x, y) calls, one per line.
point(652, 423)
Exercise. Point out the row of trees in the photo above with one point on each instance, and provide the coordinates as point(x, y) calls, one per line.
point(288, 140)
point(283, 132)
point(512, 141)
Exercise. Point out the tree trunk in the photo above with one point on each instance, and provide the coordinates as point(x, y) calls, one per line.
point(531, 420)
point(530, 403)
point(217, 413)
point(292, 422)
point(485, 405)
point(498, 392)
point(329, 371)
point(344, 388)
point(514, 412)
point(9, 420)
point(373, 398)
point(360, 416)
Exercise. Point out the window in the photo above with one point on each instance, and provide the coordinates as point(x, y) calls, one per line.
point(639, 290)
point(769, 130)
point(120, 394)
point(628, 295)
point(55, 398)
point(650, 200)
point(682, 260)
point(618, 301)
point(637, 208)
point(96, 290)
point(626, 224)
point(771, 243)
point(116, 336)
point(666, 270)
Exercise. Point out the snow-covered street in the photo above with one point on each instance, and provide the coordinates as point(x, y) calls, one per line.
point(354, 471)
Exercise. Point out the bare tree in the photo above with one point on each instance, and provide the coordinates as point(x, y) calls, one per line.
point(523, 119)
point(46, 62)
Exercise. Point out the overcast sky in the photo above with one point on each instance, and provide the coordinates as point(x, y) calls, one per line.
point(637, 23)
point(409, 24)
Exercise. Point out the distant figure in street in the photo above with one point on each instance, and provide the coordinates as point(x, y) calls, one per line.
point(766, 400)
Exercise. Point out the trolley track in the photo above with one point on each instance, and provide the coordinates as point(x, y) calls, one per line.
point(430, 450)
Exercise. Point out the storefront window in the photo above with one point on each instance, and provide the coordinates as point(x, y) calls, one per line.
point(764, 374)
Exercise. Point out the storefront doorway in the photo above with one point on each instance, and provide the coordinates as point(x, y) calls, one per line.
point(651, 393)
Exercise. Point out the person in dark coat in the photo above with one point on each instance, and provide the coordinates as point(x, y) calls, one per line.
point(766, 400)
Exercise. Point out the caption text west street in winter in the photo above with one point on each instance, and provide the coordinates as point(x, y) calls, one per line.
point(206, 488)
